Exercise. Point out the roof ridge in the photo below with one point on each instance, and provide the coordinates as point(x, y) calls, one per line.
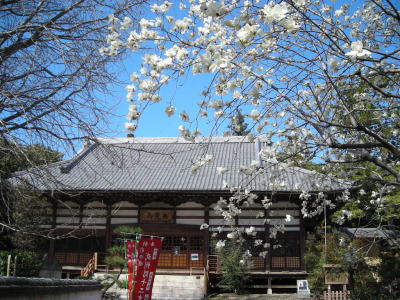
point(94, 167)
point(81, 154)
point(53, 164)
point(156, 140)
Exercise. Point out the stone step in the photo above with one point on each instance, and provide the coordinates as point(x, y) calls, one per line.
point(170, 287)
point(177, 287)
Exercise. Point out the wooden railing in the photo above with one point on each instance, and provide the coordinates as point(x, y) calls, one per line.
point(258, 263)
point(73, 258)
point(336, 295)
point(213, 264)
point(286, 262)
point(90, 267)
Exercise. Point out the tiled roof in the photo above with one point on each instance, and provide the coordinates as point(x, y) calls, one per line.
point(165, 164)
point(371, 233)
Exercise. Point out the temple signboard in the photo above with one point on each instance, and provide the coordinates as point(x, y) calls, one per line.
point(157, 216)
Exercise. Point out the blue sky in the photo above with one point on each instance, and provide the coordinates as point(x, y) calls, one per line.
point(184, 95)
point(154, 122)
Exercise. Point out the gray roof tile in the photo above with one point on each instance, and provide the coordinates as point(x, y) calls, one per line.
point(164, 164)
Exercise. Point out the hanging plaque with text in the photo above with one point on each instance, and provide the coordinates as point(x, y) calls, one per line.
point(157, 216)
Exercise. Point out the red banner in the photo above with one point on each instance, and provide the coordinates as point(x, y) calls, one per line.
point(130, 256)
point(146, 264)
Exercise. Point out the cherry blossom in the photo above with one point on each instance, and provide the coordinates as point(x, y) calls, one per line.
point(357, 50)
point(318, 81)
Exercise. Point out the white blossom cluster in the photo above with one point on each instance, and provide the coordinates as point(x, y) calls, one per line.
point(314, 204)
point(201, 162)
point(319, 79)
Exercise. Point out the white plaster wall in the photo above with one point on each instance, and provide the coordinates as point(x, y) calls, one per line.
point(251, 221)
point(283, 204)
point(184, 213)
point(93, 227)
point(220, 222)
point(255, 205)
point(95, 208)
point(283, 222)
point(67, 220)
point(292, 229)
point(190, 221)
point(190, 204)
point(94, 220)
point(125, 212)
point(71, 212)
point(124, 220)
point(119, 204)
point(250, 213)
point(67, 207)
point(283, 213)
point(94, 215)
point(125, 209)
point(157, 205)
point(181, 214)
point(213, 213)
point(45, 226)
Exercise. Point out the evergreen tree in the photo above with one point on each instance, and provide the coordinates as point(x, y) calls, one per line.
point(238, 126)
point(22, 209)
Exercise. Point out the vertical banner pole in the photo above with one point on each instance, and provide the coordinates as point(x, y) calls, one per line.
point(130, 254)
point(137, 239)
point(149, 249)
point(126, 282)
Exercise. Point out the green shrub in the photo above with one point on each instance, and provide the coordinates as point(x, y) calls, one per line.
point(378, 281)
point(28, 263)
point(116, 259)
point(234, 269)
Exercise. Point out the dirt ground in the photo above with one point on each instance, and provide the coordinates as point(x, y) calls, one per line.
point(254, 297)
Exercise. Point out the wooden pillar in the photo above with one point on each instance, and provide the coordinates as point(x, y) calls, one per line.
point(302, 242)
point(53, 226)
point(139, 207)
point(80, 214)
point(81, 206)
point(267, 260)
point(175, 213)
point(269, 292)
point(207, 214)
point(207, 234)
point(108, 240)
point(237, 220)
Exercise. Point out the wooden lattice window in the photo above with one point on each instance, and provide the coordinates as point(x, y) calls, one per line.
point(196, 243)
point(179, 261)
point(177, 250)
point(180, 241)
point(165, 260)
point(286, 251)
point(257, 263)
point(167, 243)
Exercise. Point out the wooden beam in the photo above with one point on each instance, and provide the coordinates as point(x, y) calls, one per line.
point(53, 226)
point(267, 259)
point(207, 235)
point(81, 206)
point(108, 241)
point(269, 292)
point(302, 243)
